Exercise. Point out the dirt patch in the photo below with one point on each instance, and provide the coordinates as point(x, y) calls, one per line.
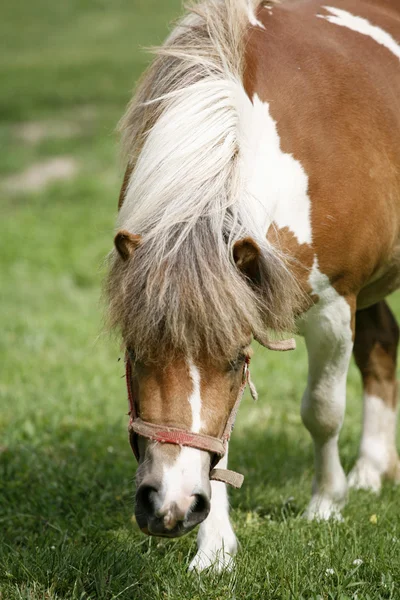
point(34, 132)
point(39, 175)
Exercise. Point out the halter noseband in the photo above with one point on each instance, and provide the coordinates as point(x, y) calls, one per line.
point(217, 446)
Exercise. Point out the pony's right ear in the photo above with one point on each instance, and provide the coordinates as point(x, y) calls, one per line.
point(126, 243)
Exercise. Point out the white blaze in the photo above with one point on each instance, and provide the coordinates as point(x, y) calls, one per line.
point(195, 398)
point(184, 476)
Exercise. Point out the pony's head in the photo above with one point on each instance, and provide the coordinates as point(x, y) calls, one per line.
point(187, 404)
point(180, 380)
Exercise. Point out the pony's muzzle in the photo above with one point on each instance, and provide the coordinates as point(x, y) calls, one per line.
point(169, 519)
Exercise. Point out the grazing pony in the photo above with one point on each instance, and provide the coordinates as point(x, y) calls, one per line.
point(262, 194)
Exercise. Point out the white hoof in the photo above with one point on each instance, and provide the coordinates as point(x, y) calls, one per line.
point(322, 508)
point(365, 476)
point(216, 553)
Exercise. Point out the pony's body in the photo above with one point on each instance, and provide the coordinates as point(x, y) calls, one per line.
point(335, 97)
point(279, 124)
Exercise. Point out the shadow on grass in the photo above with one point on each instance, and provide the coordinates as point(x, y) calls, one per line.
point(275, 470)
point(78, 473)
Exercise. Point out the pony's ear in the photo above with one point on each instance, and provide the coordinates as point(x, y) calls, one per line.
point(126, 243)
point(246, 254)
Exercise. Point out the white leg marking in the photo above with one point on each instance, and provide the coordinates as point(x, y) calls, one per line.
point(216, 540)
point(328, 334)
point(378, 451)
point(363, 26)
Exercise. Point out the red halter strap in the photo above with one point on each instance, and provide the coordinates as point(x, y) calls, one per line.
point(181, 437)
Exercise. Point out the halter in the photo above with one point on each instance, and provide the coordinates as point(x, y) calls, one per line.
point(217, 446)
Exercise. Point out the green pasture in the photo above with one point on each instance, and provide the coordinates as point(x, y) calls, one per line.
point(66, 469)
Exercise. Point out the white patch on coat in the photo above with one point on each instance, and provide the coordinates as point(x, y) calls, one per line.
point(195, 398)
point(252, 17)
point(275, 182)
point(328, 334)
point(216, 540)
point(378, 445)
point(363, 26)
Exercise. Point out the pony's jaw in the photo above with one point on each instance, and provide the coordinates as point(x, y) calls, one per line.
point(173, 490)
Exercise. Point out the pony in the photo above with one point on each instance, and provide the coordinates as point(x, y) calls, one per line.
point(261, 197)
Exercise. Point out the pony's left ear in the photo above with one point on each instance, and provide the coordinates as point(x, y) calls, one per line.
point(247, 254)
point(253, 265)
point(126, 243)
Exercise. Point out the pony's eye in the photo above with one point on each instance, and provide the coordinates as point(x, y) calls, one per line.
point(237, 363)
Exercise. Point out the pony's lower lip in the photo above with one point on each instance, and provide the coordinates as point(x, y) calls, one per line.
point(156, 528)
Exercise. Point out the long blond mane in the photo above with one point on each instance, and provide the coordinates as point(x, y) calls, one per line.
point(182, 136)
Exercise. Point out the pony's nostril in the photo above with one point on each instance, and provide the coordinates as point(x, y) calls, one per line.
point(199, 503)
point(146, 500)
point(199, 509)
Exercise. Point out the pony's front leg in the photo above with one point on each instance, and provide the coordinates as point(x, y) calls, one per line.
point(216, 540)
point(328, 333)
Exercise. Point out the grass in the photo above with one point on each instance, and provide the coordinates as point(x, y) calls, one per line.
point(66, 469)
